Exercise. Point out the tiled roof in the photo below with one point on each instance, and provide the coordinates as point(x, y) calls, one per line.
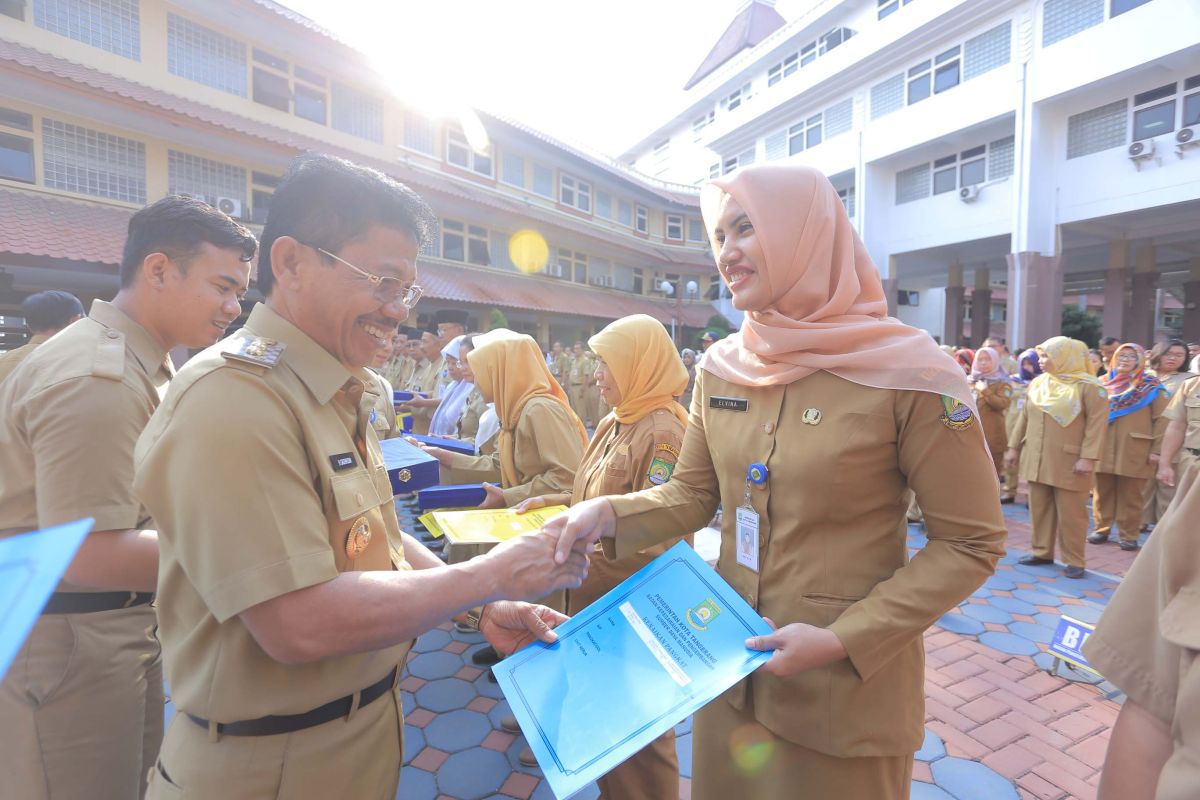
point(756, 21)
point(47, 226)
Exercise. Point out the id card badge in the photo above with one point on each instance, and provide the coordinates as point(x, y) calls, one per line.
point(747, 537)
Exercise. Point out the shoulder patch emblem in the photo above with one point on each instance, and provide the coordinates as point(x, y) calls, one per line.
point(956, 415)
point(660, 471)
point(256, 350)
point(667, 447)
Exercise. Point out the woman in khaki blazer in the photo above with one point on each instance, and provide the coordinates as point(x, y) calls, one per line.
point(1167, 362)
point(1058, 439)
point(846, 409)
point(636, 445)
point(993, 394)
point(1136, 424)
point(1027, 370)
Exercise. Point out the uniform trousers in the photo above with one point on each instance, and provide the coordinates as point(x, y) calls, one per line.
point(734, 756)
point(358, 758)
point(81, 709)
point(1010, 474)
point(1118, 499)
point(1060, 514)
point(577, 395)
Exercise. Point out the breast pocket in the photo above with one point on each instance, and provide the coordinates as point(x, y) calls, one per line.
point(354, 494)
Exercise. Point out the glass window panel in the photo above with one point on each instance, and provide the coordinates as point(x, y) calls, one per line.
point(1191, 110)
point(453, 244)
point(271, 90)
point(946, 56)
point(696, 230)
point(205, 56)
point(887, 96)
point(946, 77)
point(919, 69)
point(16, 158)
point(512, 169)
point(357, 113)
point(795, 140)
point(1154, 120)
point(604, 205)
point(973, 172)
point(944, 181)
point(1098, 129)
point(987, 51)
point(308, 76)
point(918, 89)
point(624, 213)
point(419, 133)
point(270, 60)
point(77, 159)
point(1154, 94)
point(1064, 18)
point(112, 25)
point(203, 177)
point(16, 119)
point(477, 252)
point(974, 151)
point(912, 184)
point(1121, 6)
point(310, 104)
point(543, 180)
point(813, 137)
point(944, 161)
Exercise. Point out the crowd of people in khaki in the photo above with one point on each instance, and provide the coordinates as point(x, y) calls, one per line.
point(247, 549)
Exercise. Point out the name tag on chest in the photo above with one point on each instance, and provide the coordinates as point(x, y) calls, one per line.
point(729, 403)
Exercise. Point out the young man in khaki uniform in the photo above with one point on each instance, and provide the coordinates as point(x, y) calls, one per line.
point(559, 363)
point(81, 709)
point(289, 605)
point(45, 313)
point(399, 367)
point(1182, 437)
point(578, 377)
point(425, 379)
point(1148, 644)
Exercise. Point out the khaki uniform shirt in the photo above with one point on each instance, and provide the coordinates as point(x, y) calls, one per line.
point(1174, 380)
point(832, 541)
point(10, 360)
point(546, 449)
point(425, 379)
point(1148, 640)
point(582, 369)
point(398, 371)
point(560, 367)
point(69, 420)
point(1049, 451)
point(1185, 407)
point(1132, 438)
point(383, 418)
point(468, 423)
point(258, 504)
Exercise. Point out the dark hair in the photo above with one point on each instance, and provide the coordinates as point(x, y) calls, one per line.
point(1110, 340)
point(50, 311)
point(328, 201)
point(176, 226)
point(1159, 350)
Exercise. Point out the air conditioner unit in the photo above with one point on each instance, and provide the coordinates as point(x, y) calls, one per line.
point(1185, 138)
point(554, 270)
point(1140, 151)
point(231, 206)
point(968, 194)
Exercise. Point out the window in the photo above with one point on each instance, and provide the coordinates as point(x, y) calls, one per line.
point(77, 159)
point(205, 56)
point(696, 231)
point(847, 197)
point(477, 246)
point(918, 83)
point(660, 149)
point(839, 118)
point(947, 71)
point(834, 38)
point(309, 95)
point(419, 133)
point(638, 281)
point(944, 179)
point(987, 51)
point(776, 145)
point(11, 118)
point(262, 188)
point(1098, 129)
point(1121, 6)
point(972, 168)
point(454, 240)
point(13, 8)
point(912, 184)
point(432, 246)
point(460, 154)
point(714, 171)
point(111, 25)
point(575, 193)
point(1064, 18)
point(642, 219)
point(735, 98)
point(1000, 158)
point(16, 158)
point(543, 180)
point(729, 165)
point(512, 169)
point(700, 123)
point(887, 96)
point(808, 54)
point(211, 180)
point(271, 89)
point(603, 204)
point(804, 135)
point(357, 113)
point(888, 7)
point(1191, 105)
point(674, 227)
point(574, 265)
point(1151, 117)
point(625, 213)
point(783, 69)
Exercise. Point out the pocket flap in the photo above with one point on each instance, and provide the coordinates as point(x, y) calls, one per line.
point(353, 494)
point(1178, 620)
point(1136, 435)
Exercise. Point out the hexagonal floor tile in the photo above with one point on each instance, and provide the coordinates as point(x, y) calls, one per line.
point(445, 695)
point(457, 730)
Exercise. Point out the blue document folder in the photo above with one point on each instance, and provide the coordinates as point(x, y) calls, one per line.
point(462, 495)
point(453, 445)
point(630, 666)
point(30, 567)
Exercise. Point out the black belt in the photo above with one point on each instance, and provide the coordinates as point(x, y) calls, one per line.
point(87, 602)
point(271, 726)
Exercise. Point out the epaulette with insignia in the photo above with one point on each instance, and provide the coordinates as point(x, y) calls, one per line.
point(255, 350)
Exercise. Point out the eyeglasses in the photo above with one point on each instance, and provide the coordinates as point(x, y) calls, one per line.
point(386, 289)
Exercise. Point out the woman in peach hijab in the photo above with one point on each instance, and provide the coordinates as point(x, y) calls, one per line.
point(635, 447)
point(819, 414)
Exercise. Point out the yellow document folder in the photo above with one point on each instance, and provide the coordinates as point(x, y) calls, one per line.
point(488, 525)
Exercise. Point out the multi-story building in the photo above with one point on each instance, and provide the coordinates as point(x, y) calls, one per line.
point(109, 104)
point(1018, 155)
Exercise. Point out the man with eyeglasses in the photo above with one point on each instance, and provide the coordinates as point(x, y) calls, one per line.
point(289, 595)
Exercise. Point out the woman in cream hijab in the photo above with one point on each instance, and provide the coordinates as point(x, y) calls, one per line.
point(541, 441)
point(820, 413)
point(635, 447)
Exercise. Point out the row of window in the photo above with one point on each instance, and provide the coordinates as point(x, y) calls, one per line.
point(970, 167)
point(1155, 112)
point(803, 135)
point(1065, 18)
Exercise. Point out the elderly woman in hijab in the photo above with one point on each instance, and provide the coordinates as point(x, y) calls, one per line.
point(842, 409)
point(1058, 438)
point(993, 395)
point(541, 441)
point(1136, 402)
point(1027, 370)
point(635, 447)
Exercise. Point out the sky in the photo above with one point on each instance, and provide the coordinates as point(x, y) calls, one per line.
point(598, 74)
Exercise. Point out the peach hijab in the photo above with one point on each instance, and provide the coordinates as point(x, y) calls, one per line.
point(828, 310)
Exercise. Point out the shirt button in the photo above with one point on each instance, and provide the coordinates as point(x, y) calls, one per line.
point(113, 335)
point(768, 427)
